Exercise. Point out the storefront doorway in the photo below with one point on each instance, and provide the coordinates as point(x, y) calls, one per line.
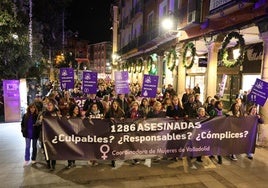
point(193, 80)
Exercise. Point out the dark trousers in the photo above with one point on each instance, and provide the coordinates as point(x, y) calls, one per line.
point(51, 163)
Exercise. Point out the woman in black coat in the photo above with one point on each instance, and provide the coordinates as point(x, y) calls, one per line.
point(175, 110)
point(50, 111)
point(30, 132)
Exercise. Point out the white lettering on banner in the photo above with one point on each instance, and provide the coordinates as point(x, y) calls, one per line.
point(154, 138)
point(165, 151)
point(195, 149)
point(129, 152)
point(67, 77)
point(221, 136)
point(80, 102)
point(162, 126)
point(78, 139)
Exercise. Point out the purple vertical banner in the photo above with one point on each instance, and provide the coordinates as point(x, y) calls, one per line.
point(222, 85)
point(12, 100)
point(90, 82)
point(121, 82)
point(259, 92)
point(66, 78)
point(149, 86)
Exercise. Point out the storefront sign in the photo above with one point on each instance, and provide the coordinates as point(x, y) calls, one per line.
point(66, 78)
point(90, 82)
point(202, 62)
point(121, 82)
point(259, 92)
point(149, 86)
point(77, 139)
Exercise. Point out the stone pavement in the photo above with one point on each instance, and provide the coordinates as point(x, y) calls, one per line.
point(165, 173)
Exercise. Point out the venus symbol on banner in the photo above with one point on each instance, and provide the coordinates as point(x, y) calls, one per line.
point(104, 149)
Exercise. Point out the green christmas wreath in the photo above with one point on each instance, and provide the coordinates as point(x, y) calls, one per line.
point(124, 66)
point(149, 64)
point(139, 66)
point(129, 67)
point(171, 59)
point(188, 47)
point(134, 67)
point(223, 53)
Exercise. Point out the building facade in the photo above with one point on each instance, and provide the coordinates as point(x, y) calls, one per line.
point(220, 45)
point(100, 55)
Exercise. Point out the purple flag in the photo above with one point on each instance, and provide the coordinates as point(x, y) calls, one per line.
point(149, 86)
point(259, 92)
point(11, 89)
point(90, 82)
point(66, 78)
point(121, 82)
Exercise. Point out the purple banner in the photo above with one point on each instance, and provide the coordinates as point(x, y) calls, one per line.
point(67, 139)
point(222, 85)
point(149, 86)
point(66, 78)
point(259, 92)
point(11, 89)
point(121, 82)
point(90, 82)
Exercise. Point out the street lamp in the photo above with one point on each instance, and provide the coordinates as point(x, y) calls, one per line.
point(169, 25)
point(115, 58)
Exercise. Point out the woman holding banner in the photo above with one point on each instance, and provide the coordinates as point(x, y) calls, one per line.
point(134, 114)
point(217, 111)
point(93, 113)
point(144, 107)
point(235, 111)
point(74, 112)
point(175, 110)
point(253, 112)
point(157, 111)
point(50, 111)
point(114, 113)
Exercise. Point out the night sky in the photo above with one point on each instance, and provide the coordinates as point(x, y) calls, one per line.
point(91, 19)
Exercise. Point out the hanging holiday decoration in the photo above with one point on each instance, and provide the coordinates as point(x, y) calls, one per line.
point(149, 64)
point(188, 61)
point(223, 53)
point(171, 59)
point(139, 65)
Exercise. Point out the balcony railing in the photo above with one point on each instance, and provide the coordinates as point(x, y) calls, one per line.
point(140, 41)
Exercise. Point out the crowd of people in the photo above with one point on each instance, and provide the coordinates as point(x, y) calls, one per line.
point(105, 103)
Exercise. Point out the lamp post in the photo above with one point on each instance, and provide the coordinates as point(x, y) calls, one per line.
point(115, 60)
point(169, 27)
